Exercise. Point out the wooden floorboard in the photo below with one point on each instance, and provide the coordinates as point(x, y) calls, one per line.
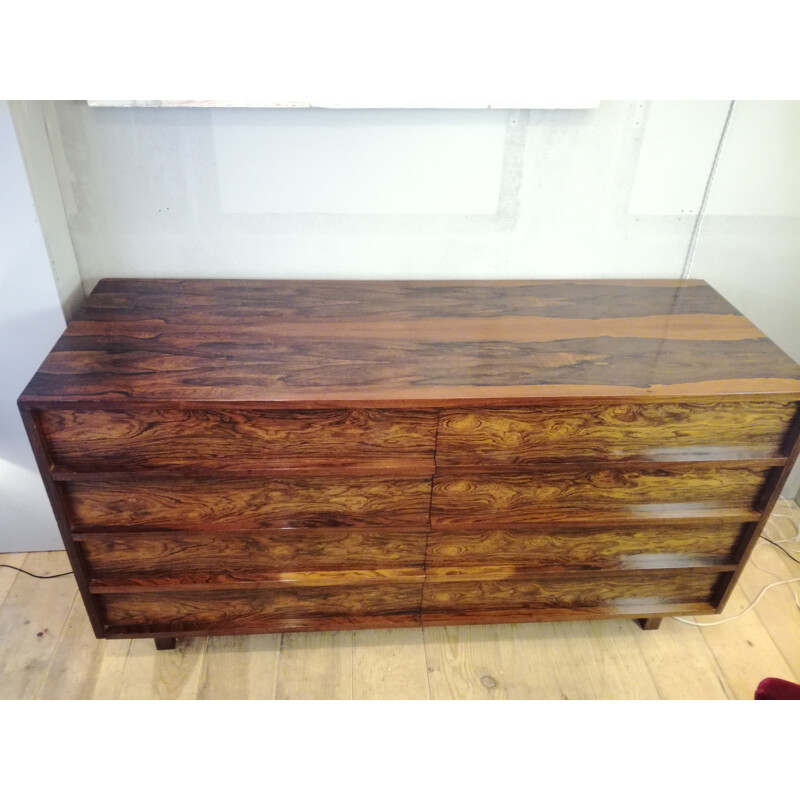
point(571, 660)
point(239, 668)
point(32, 616)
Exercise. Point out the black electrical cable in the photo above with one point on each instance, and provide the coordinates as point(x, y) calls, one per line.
point(780, 548)
point(19, 569)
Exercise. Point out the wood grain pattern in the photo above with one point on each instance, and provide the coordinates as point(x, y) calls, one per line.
point(264, 610)
point(589, 548)
point(410, 343)
point(230, 440)
point(455, 329)
point(231, 557)
point(657, 432)
point(483, 499)
point(270, 503)
point(608, 593)
point(273, 456)
point(304, 300)
point(252, 579)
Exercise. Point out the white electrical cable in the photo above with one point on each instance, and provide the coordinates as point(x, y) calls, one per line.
point(741, 614)
point(769, 571)
point(796, 537)
point(764, 590)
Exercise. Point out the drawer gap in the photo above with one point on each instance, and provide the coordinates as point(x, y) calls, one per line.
point(363, 467)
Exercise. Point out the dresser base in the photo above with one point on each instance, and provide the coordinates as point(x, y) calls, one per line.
point(169, 643)
point(165, 638)
point(650, 623)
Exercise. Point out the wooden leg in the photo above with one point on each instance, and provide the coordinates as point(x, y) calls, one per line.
point(166, 644)
point(650, 623)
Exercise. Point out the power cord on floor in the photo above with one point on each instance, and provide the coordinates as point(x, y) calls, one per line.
point(741, 614)
point(43, 577)
point(766, 588)
point(795, 538)
point(788, 553)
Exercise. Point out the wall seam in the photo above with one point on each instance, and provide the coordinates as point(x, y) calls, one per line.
point(688, 262)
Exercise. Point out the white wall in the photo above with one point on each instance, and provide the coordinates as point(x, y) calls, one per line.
point(307, 193)
point(31, 320)
point(613, 191)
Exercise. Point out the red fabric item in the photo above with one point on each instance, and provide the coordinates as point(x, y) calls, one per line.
point(777, 689)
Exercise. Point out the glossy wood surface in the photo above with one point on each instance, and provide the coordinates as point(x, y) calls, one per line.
point(655, 432)
point(673, 586)
point(252, 457)
point(584, 548)
point(422, 343)
point(232, 440)
point(170, 555)
point(253, 579)
point(259, 609)
point(486, 499)
point(219, 503)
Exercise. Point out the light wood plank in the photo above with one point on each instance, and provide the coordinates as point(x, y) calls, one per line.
point(8, 576)
point(32, 607)
point(390, 665)
point(73, 668)
point(111, 668)
point(601, 660)
point(464, 663)
point(530, 655)
point(239, 668)
point(744, 649)
point(682, 664)
point(777, 610)
point(84, 667)
point(315, 666)
point(152, 674)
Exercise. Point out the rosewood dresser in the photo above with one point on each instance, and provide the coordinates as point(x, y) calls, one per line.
point(230, 457)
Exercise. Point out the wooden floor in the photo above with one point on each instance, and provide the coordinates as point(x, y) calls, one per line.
point(48, 651)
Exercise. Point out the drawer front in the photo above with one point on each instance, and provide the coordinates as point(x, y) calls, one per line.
point(620, 547)
point(608, 593)
point(238, 439)
point(648, 431)
point(498, 499)
point(189, 504)
point(259, 609)
point(229, 557)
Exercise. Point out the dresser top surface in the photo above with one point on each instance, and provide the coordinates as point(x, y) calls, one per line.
point(402, 343)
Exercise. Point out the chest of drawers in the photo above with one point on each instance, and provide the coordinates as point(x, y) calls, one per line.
point(231, 457)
